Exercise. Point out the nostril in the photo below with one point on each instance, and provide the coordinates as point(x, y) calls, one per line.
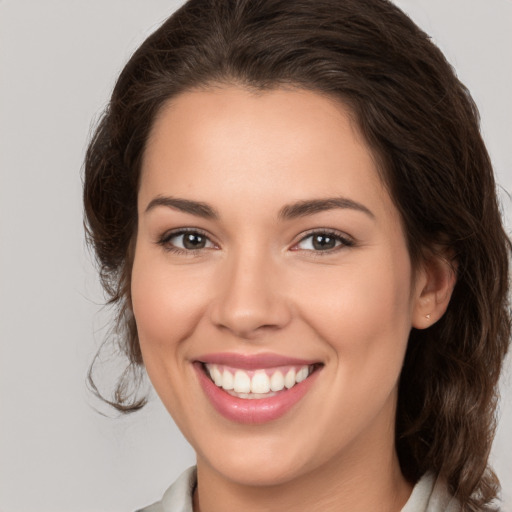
point(248, 332)
point(249, 323)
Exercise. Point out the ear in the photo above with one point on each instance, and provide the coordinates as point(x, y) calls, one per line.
point(435, 280)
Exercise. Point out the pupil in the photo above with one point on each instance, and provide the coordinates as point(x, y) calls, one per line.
point(323, 242)
point(193, 241)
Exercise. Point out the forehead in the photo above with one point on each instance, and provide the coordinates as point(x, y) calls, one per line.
point(241, 113)
point(237, 144)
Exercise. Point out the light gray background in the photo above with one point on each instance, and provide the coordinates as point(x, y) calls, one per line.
point(58, 62)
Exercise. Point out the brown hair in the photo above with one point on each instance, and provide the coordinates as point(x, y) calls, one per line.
point(423, 127)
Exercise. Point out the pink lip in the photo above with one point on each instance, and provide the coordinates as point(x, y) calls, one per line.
point(255, 411)
point(253, 362)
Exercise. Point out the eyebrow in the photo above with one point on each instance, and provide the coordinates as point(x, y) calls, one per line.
point(197, 208)
point(288, 212)
point(312, 206)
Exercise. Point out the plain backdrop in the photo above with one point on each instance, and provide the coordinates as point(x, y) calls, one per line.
point(58, 63)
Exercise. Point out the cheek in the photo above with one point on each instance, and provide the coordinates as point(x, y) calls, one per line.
point(363, 316)
point(167, 308)
point(166, 303)
point(362, 311)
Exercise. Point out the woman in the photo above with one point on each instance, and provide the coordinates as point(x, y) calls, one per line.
point(295, 213)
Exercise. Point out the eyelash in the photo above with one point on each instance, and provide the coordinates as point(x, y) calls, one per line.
point(344, 241)
point(166, 238)
point(342, 238)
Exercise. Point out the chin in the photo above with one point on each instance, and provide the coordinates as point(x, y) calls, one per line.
point(259, 462)
point(257, 473)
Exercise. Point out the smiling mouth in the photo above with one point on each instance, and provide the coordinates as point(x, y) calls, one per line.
point(258, 383)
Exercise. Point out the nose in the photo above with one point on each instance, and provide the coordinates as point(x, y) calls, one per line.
point(251, 297)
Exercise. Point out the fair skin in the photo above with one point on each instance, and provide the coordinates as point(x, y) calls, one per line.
point(259, 283)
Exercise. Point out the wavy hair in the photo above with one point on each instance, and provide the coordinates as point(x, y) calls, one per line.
point(423, 128)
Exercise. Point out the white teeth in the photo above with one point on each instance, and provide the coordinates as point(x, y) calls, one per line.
point(262, 384)
point(242, 382)
point(302, 374)
point(277, 381)
point(227, 380)
point(216, 376)
point(289, 379)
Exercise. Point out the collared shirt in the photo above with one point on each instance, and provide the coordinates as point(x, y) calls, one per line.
point(429, 495)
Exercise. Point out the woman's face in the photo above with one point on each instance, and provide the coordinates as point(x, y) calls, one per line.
point(270, 257)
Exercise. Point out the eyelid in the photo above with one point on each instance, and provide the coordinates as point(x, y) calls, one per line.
point(164, 240)
point(346, 240)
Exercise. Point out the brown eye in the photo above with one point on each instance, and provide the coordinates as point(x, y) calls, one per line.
point(186, 241)
point(324, 241)
point(193, 241)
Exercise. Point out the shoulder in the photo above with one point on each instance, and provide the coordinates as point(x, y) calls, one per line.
point(430, 494)
point(178, 498)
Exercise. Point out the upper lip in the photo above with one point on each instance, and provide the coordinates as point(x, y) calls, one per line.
point(253, 361)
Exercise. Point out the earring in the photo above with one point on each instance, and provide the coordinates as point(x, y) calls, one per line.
point(428, 316)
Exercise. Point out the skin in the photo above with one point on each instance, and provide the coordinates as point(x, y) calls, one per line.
point(259, 285)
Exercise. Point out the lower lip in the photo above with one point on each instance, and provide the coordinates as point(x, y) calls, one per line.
point(257, 410)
